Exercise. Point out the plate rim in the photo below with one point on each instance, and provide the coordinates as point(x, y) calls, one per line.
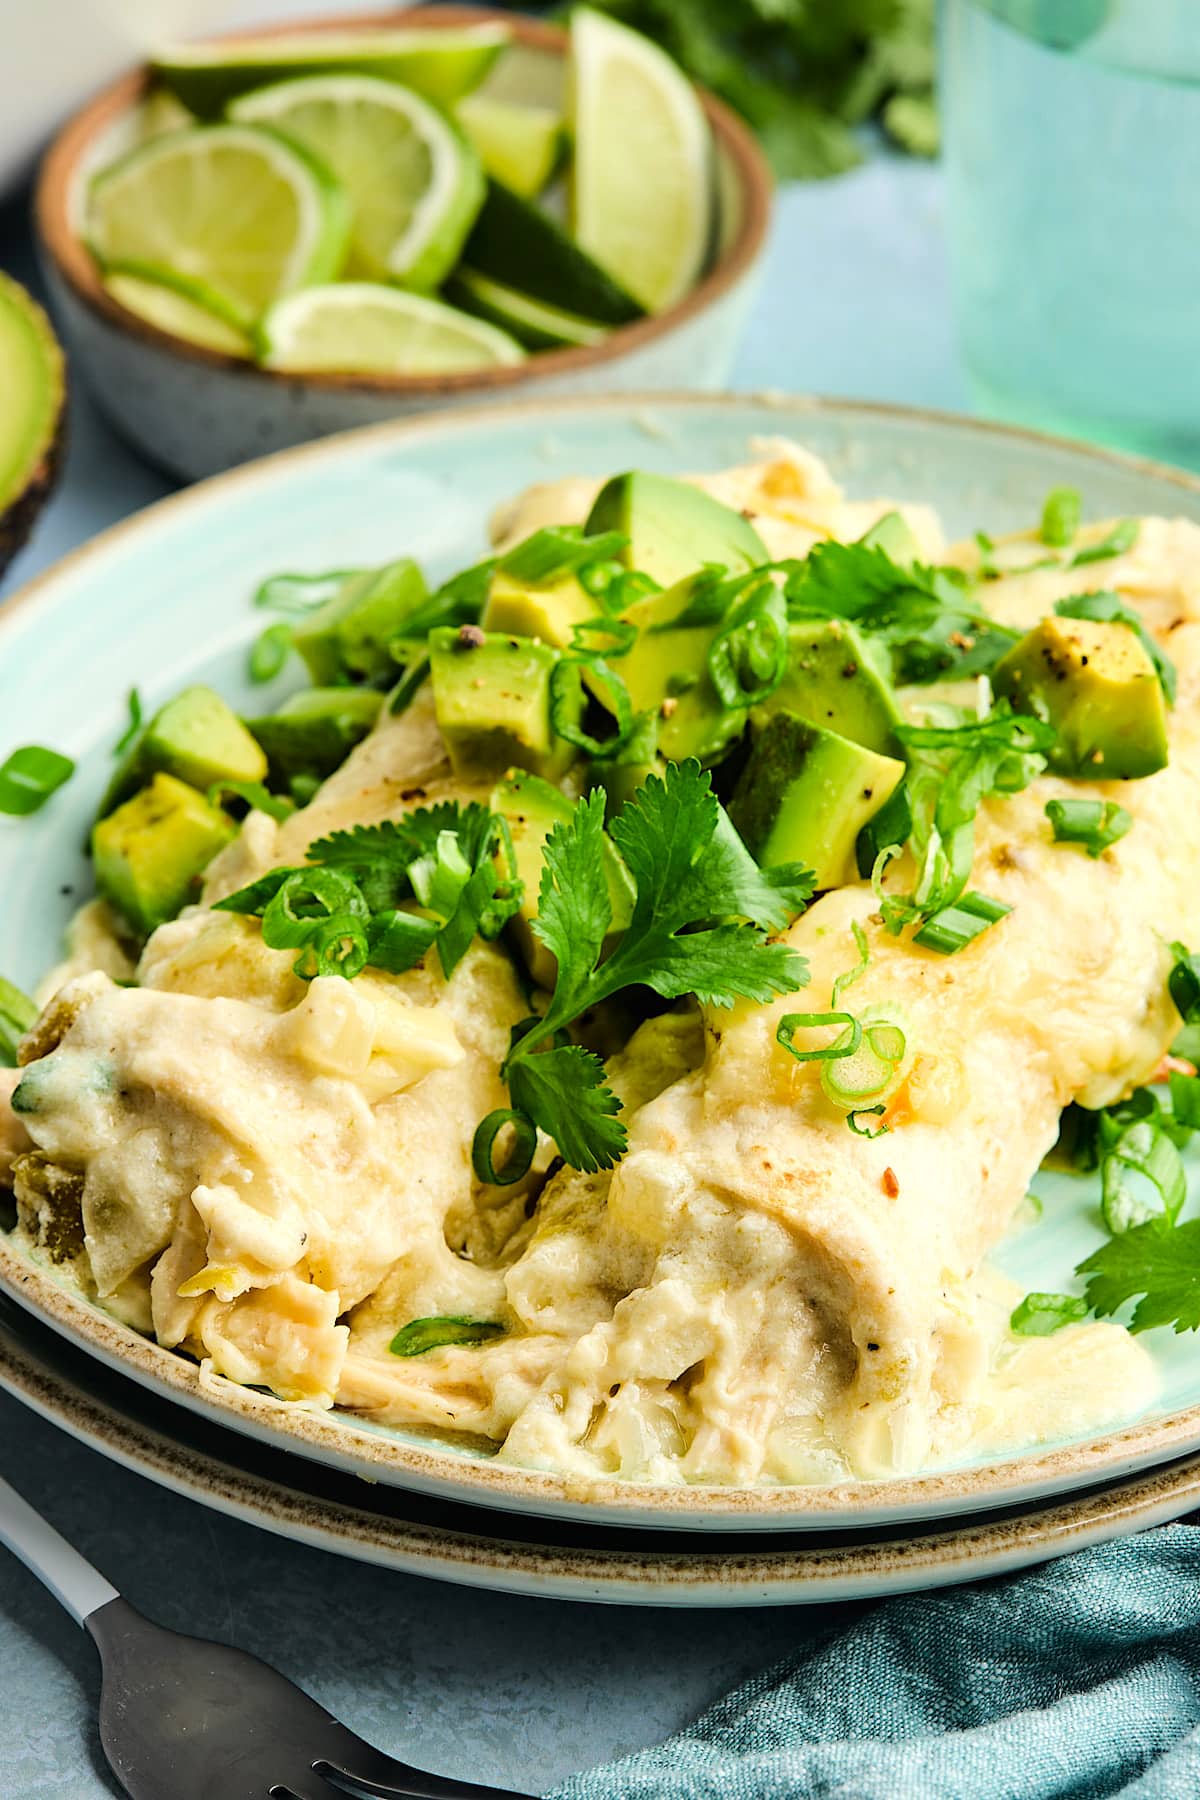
point(817, 1574)
point(336, 1438)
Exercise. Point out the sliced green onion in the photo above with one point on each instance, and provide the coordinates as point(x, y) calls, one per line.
point(300, 594)
point(17, 1013)
point(1145, 1152)
point(1093, 824)
point(864, 1112)
point(842, 1045)
point(304, 901)
point(1061, 516)
point(987, 564)
point(256, 796)
point(1038, 1315)
point(269, 652)
point(336, 947)
point(408, 686)
point(302, 787)
point(951, 929)
point(871, 1070)
point(475, 898)
point(420, 1335)
point(438, 878)
point(29, 777)
point(566, 689)
point(397, 941)
point(517, 1162)
point(1183, 983)
point(748, 659)
point(1185, 1099)
point(850, 976)
point(134, 726)
point(557, 550)
point(1122, 537)
point(1107, 608)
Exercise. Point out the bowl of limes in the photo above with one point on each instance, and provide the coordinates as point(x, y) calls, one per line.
point(259, 239)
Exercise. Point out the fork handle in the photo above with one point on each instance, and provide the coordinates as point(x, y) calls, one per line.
point(69, 1576)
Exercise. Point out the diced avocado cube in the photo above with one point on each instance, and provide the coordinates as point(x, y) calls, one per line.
point(805, 794)
point(351, 633)
point(315, 730)
point(667, 673)
point(673, 527)
point(197, 738)
point(491, 693)
point(550, 612)
point(533, 808)
point(1094, 682)
point(832, 680)
point(150, 853)
point(893, 535)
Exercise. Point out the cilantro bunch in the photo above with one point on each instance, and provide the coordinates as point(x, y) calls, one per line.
point(699, 926)
point(346, 907)
point(805, 72)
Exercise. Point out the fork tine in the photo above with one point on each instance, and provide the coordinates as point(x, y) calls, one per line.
point(376, 1774)
point(309, 1786)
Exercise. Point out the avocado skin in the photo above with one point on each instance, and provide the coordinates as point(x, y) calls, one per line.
point(806, 793)
point(19, 517)
point(1093, 681)
point(150, 853)
point(832, 681)
point(673, 527)
point(533, 808)
point(351, 634)
point(491, 693)
point(315, 730)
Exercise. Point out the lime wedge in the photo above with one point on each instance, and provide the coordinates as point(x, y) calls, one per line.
point(519, 145)
point(642, 178)
point(159, 113)
point(413, 181)
point(184, 309)
point(520, 246)
point(441, 65)
point(32, 381)
point(358, 327)
point(235, 208)
point(535, 324)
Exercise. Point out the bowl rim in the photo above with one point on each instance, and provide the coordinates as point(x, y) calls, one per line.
point(77, 267)
point(337, 1439)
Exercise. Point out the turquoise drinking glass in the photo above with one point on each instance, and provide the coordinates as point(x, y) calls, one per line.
point(1072, 143)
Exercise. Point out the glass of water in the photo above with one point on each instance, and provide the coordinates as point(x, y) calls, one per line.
point(1072, 134)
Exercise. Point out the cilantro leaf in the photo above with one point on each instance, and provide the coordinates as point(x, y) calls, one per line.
point(1158, 1260)
point(567, 1084)
point(698, 926)
point(923, 615)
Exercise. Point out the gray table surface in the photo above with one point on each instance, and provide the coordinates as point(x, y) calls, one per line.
point(516, 1691)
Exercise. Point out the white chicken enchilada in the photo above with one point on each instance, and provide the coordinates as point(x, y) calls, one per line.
point(611, 1014)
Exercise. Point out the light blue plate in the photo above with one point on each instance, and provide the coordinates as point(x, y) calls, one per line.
point(165, 599)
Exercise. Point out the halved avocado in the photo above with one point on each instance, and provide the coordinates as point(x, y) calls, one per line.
point(32, 414)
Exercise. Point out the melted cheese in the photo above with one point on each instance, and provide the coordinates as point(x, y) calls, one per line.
point(275, 1176)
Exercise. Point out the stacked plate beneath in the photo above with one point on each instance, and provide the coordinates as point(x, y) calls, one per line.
point(182, 576)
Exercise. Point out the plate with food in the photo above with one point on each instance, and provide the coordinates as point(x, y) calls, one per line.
point(626, 959)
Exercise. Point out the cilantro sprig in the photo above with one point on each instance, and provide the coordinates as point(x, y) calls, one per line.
point(348, 905)
point(699, 925)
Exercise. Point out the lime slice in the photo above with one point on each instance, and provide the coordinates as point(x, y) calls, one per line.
point(520, 246)
point(182, 308)
point(159, 113)
point(519, 145)
point(238, 209)
point(441, 65)
point(642, 179)
point(359, 327)
point(535, 324)
point(413, 181)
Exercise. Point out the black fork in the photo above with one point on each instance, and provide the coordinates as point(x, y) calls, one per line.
point(183, 1719)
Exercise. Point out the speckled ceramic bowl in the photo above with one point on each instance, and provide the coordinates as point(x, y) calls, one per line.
point(196, 411)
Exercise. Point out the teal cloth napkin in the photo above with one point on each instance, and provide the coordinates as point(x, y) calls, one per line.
point(1079, 1680)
